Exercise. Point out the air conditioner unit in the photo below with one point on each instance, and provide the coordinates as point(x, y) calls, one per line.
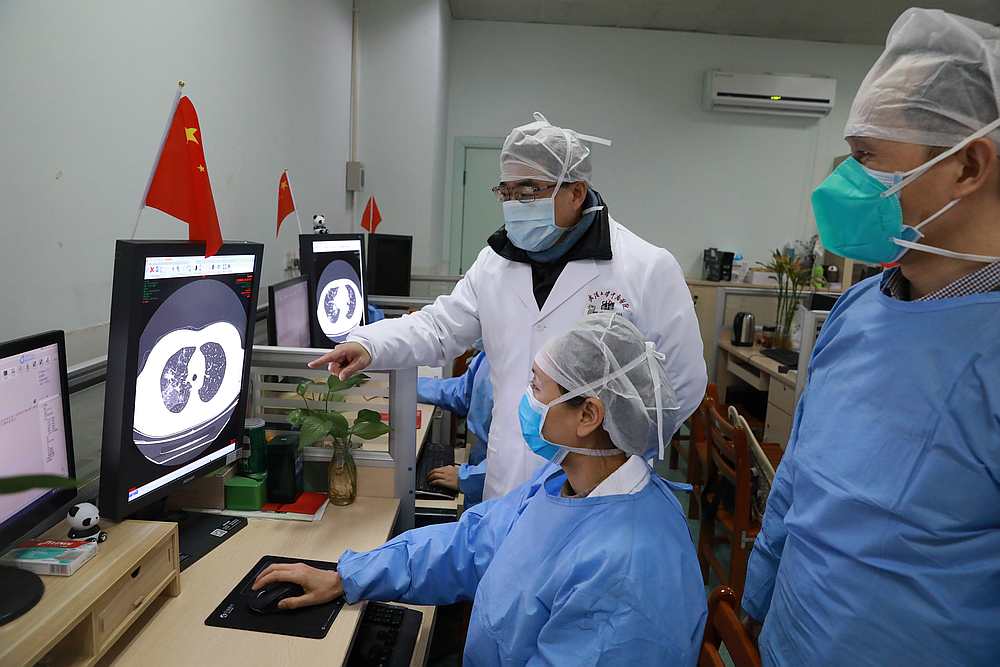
point(779, 94)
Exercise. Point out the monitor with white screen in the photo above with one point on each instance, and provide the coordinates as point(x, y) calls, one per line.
point(338, 301)
point(288, 313)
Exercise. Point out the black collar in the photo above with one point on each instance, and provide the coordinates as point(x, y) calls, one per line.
point(594, 244)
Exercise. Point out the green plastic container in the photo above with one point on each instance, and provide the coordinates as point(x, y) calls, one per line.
point(246, 493)
point(254, 458)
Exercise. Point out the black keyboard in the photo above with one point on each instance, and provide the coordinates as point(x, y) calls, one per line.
point(789, 358)
point(434, 455)
point(386, 636)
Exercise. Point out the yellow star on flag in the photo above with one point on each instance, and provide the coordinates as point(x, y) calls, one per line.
point(284, 185)
point(189, 133)
point(201, 168)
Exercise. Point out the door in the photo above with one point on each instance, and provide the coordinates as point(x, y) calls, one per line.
point(481, 212)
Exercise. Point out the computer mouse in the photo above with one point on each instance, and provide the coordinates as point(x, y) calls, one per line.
point(265, 601)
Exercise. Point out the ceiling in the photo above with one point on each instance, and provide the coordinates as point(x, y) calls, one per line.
point(848, 21)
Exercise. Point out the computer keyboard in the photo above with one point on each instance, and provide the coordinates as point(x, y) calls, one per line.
point(434, 455)
point(386, 637)
point(789, 358)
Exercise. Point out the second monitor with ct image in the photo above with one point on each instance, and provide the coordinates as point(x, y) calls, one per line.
point(338, 300)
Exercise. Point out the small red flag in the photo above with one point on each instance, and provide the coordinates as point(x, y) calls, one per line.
point(180, 185)
point(371, 218)
point(286, 204)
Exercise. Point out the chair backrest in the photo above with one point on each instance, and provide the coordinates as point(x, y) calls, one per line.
point(724, 627)
point(729, 456)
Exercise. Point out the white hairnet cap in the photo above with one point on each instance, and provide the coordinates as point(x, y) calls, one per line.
point(607, 356)
point(542, 151)
point(937, 81)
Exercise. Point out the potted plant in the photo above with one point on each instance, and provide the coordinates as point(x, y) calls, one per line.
point(793, 276)
point(330, 428)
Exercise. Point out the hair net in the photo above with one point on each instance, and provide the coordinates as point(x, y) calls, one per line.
point(540, 150)
point(606, 357)
point(937, 81)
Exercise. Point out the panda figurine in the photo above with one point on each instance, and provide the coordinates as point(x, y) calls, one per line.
point(319, 224)
point(83, 520)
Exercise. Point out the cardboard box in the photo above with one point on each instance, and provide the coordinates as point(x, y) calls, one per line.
point(207, 492)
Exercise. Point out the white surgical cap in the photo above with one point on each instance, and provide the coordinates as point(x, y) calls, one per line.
point(607, 355)
point(937, 81)
point(542, 151)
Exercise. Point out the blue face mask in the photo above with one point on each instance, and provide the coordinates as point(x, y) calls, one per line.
point(531, 226)
point(531, 413)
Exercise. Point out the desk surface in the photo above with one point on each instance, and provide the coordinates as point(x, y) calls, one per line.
point(173, 632)
point(754, 357)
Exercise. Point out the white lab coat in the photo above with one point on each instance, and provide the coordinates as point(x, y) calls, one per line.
point(495, 301)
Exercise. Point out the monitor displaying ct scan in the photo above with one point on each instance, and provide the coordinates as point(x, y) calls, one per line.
point(338, 300)
point(178, 360)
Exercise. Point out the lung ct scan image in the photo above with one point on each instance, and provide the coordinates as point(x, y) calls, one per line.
point(339, 300)
point(190, 371)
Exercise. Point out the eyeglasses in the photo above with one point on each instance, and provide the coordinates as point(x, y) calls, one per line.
point(524, 194)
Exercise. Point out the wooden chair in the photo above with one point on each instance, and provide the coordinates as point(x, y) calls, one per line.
point(724, 627)
point(728, 461)
point(693, 448)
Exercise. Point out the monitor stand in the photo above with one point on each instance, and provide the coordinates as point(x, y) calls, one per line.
point(198, 532)
point(21, 591)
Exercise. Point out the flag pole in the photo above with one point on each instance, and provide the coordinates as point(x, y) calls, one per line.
point(294, 207)
point(159, 152)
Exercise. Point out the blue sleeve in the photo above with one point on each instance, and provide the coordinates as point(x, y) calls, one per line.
point(375, 314)
point(471, 480)
point(436, 565)
point(762, 567)
point(453, 394)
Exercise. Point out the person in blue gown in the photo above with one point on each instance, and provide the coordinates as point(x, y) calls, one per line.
point(469, 395)
point(880, 544)
point(589, 563)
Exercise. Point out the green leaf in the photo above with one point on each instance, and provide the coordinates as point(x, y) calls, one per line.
point(314, 428)
point(339, 427)
point(28, 482)
point(368, 430)
point(295, 417)
point(368, 416)
point(302, 388)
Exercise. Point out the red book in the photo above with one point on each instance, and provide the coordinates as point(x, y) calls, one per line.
point(286, 204)
point(180, 185)
point(308, 502)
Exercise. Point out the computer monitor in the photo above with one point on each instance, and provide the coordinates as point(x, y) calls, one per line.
point(182, 328)
point(288, 313)
point(338, 301)
point(389, 264)
point(35, 438)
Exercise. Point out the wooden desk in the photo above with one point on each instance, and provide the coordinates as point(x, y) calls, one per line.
point(172, 631)
point(760, 372)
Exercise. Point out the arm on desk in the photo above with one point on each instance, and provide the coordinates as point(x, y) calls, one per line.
point(438, 564)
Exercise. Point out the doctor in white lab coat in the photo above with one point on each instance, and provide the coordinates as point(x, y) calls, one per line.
point(558, 257)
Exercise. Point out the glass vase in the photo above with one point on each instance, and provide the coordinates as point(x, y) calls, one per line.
point(342, 474)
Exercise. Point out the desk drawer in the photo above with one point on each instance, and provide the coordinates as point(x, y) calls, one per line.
point(133, 592)
point(752, 376)
point(781, 396)
point(778, 426)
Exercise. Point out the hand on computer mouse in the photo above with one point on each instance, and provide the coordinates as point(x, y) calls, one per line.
point(446, 476)
point(320, 586)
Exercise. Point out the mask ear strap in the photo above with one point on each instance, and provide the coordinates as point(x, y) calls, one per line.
point(922, 169)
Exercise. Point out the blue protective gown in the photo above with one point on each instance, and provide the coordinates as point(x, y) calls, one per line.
point(469, 395)
point(375, 314)
point(881, 540)
point(610, 580)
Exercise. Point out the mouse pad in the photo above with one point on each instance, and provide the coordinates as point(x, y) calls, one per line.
point(310, 622)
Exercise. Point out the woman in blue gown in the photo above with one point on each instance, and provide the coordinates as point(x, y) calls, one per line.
point(591, 562)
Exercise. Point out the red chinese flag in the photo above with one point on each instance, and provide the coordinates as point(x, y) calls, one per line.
point(286, 204)
point(372, 216)
point(180, 185)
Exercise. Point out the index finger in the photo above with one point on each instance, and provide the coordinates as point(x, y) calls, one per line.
point(328, 358)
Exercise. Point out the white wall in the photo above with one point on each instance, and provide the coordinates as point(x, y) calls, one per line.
point(87, 86)
point(681, 177)
point(403, 119)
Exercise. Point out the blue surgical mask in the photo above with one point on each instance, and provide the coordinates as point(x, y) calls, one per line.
point(859, 216)
point(531, 413)
point(531, 226)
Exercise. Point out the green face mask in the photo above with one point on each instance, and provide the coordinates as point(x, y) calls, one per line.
point(859, 216)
